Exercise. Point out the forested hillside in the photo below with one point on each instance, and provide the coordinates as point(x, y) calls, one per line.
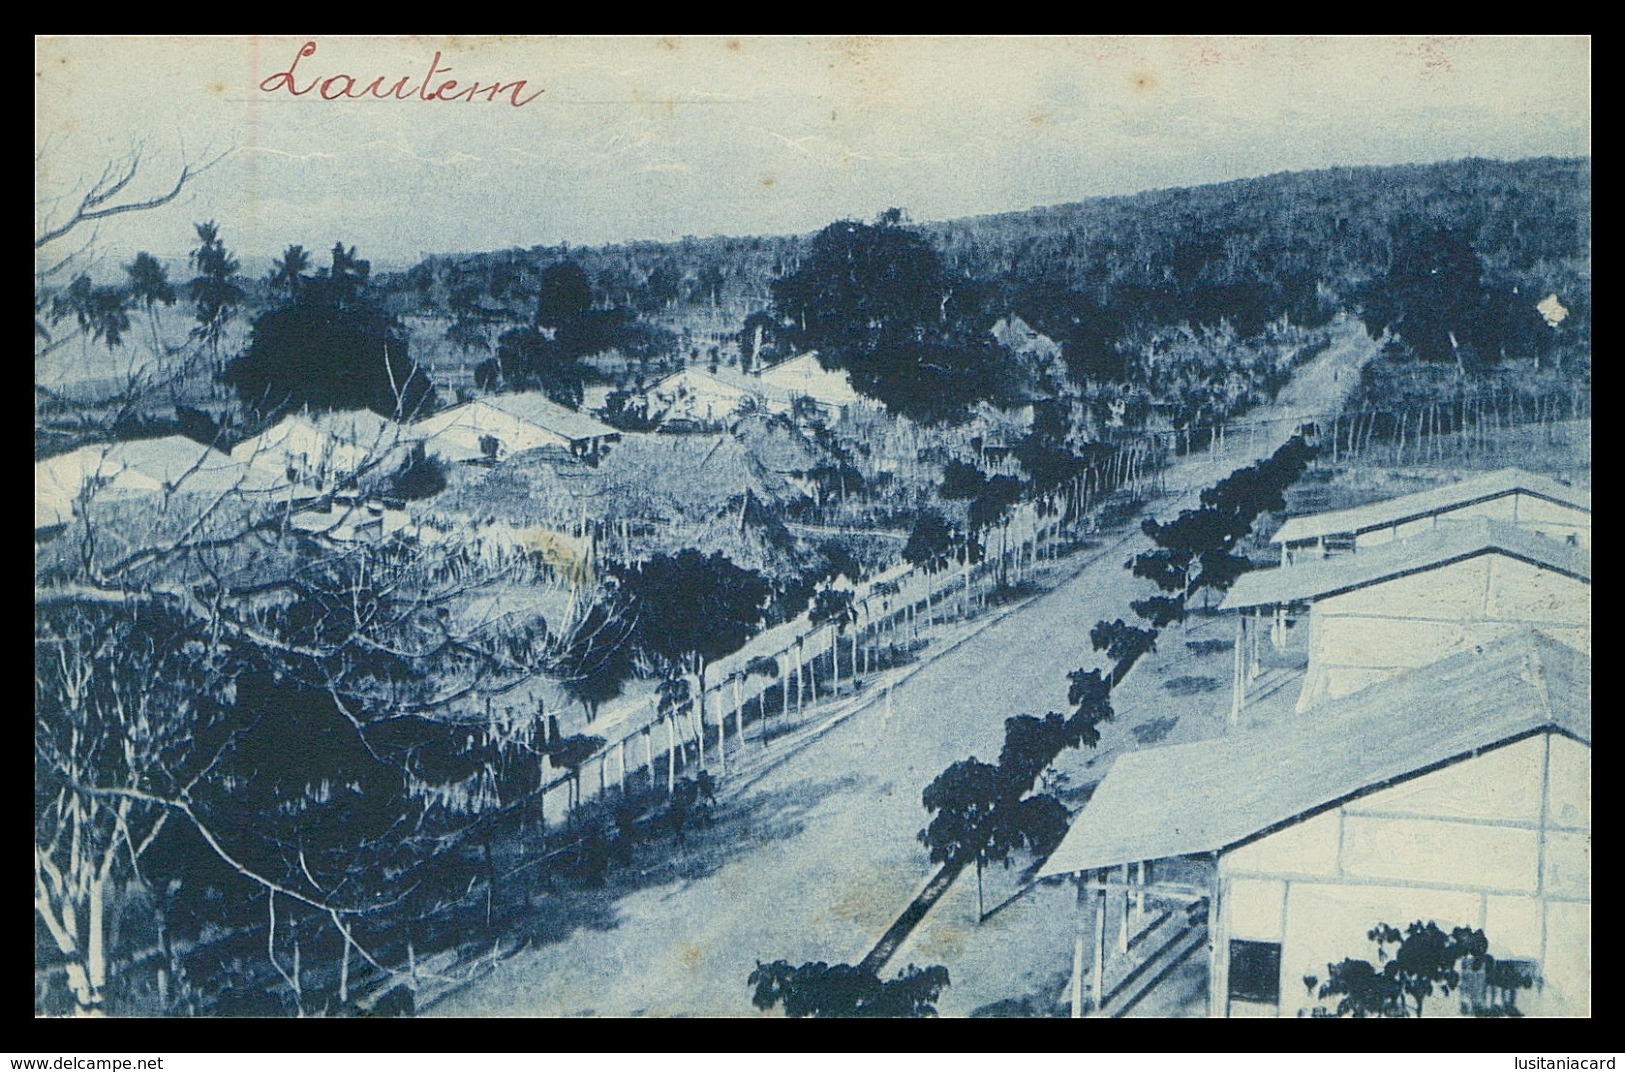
point(1098, 275)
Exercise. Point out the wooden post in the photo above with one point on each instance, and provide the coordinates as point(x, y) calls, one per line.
point(649, 753)
point(784, 708)
point(722, 733)
point(810, 668)
point(620, 766)
point(1122, 921)
point(739, 712)
point(671, 755)
point(1219, 940)
point(1077, 975)
point(1238, 687)
point(1097, 979)
point(1255, 635)
point(801, 676)
point(698, 717)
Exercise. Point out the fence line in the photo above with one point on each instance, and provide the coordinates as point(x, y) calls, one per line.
point(810, 659)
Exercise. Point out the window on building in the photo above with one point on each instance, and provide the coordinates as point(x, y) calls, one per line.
point(1255, 972)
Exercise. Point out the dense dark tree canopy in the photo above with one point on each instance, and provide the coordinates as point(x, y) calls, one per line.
point(963, 798)
point(1425, 960)
point(331, 347)
point(693, 608)
point(597, 661)
point(1440, 301)
point(102, 312)
point(861, 284)
point(931, 541)
point(1121, 641)
point(214, 289)
point(421, 476)
point(1431, 294)
point(874, 300)
point(961, 480)
point(528, 359)
point(998, 495)
point(933, 379)
point(844, 990)
point(565, 295)
point(149, 282)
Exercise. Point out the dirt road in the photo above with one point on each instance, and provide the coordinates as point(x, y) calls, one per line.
point(818, 856)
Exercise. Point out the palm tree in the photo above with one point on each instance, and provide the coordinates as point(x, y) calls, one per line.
point(288, 273)
point(212, 288)
point(150, 285)
point(102, 313)
point(349, 272)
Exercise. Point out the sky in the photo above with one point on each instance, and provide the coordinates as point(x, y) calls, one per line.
point(633, 138)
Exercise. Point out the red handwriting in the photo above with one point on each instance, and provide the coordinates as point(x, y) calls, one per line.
point(343, 86)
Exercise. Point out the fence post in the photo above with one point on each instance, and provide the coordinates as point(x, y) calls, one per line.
point(649, 754)
point(697, 716)
point(671, 754)
point(739, 711)
point(722, 733)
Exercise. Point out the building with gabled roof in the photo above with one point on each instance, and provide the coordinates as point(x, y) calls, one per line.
point(321, 452)
point(803, 377)
point(1406, 603)
point(1458, 793)
point(139, 467)
point(497, 426)
point(1513, 496)
point(700, 397)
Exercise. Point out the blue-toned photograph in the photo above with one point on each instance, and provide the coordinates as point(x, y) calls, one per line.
point(822, 526)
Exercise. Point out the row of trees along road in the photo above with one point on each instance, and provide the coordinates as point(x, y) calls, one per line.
point(987, 812)
point(1197, 550)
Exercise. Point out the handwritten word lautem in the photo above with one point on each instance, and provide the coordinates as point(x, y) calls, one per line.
point(346, 86)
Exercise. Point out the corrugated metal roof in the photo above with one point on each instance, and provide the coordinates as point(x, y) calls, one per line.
point(138, 467)
point(531, 407)
point(170, 458)
point(1424, 503)
point(1211, 795)
point(803, 375)
point(538, 409)
point(723, 380)
point(1450, 543)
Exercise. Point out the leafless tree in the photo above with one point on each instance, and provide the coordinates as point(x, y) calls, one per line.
point(159, 615)
point(65, 245)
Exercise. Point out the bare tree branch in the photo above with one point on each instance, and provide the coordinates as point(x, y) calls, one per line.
point(102, 199)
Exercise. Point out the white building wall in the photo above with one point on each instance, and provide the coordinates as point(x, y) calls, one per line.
point(1373, 633)
point(1499, 842)
point(1527, 511)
